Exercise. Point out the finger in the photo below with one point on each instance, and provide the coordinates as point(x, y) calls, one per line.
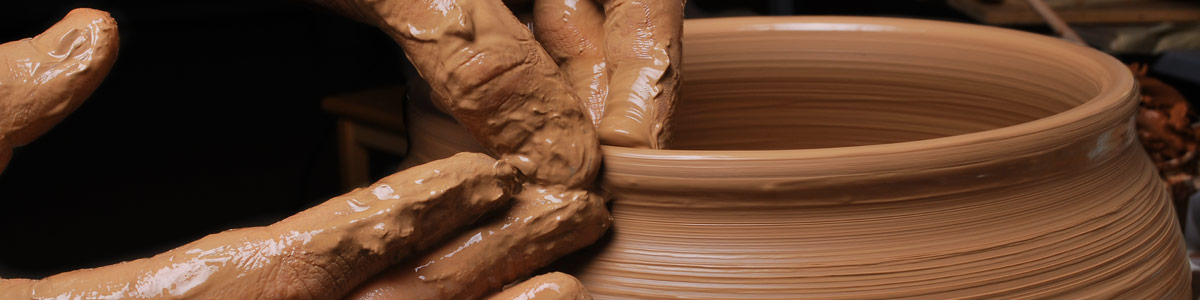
point(498, 82)
point(406, 211)
point(541, 226)
point(549, 286)
point(572, 32)
point(374, 227)
point(46, 77)
point(319, 253)
point(643, 50)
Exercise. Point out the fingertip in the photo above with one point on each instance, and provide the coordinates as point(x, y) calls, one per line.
point(553, 285)
point(96, 27)
point(73, 57)
point(623, 132)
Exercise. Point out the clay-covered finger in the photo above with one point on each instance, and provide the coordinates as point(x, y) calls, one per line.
point(320, 253)
point(44, 78)
point(407, 211)
point(643, 51)
point(549, 286)
point(373, 227)
point(497, 81)
point(542, 225)
point(572, 32)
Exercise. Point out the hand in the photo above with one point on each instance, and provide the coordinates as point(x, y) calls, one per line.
point(495, 79)
point(319, 253)
point(323, 252)
point(622, 61)
point(493, 76)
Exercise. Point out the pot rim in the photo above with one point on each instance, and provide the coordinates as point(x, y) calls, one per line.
point(1114, 103)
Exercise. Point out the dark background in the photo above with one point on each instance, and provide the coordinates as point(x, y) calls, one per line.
point(211, 120)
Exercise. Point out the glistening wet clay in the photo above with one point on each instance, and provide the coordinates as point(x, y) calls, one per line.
point(622, 61)
point(541, 226)
point(319, 253)
point(496, 80)
point(551, 286)
point(46, 77)
point(487, 70)
point(645, 73)
point(849, 158)
point(539, 133)
point(572, 32)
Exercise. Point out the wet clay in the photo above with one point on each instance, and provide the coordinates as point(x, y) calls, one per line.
point(496, 80)
point(486, 69)
point(46, 77)
point(635, 46)
point(641, 47)
point(551, 286)
point(319, 253)
point(572, 32)
point(541, 226)
point(852, 158)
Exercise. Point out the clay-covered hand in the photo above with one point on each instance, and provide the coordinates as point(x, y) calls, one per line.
point(325, 251)
point(44, 78)
point(489, 72)
point(541, 226)
point(622, 58)
point(494, 78)
point(320, 253)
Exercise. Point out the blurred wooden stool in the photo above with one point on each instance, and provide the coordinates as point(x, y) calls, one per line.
point(369, 119)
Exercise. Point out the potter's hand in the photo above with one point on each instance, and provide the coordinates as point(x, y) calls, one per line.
point(622, 61)
point(492, 75)
point(542, 225)
point(319, 253)
point(489, 72)
point(43, 79)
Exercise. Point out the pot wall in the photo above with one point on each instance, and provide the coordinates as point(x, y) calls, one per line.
point(850, 158)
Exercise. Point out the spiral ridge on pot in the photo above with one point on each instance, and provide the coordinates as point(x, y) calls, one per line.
point(866, 158)
point(938, 161)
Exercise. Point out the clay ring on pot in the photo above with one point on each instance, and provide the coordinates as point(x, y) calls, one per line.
point(851, 158)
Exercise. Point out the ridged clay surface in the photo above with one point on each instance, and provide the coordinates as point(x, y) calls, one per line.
point(849, 158)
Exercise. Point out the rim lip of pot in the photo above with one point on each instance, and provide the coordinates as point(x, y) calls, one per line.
point(1114, 105)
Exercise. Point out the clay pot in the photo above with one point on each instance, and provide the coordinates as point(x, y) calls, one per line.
point(841, 157)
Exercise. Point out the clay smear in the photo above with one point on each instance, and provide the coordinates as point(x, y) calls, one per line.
point(572, 32)
point(622, 58)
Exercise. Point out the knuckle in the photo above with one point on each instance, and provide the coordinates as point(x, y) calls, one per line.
point(301, 278)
